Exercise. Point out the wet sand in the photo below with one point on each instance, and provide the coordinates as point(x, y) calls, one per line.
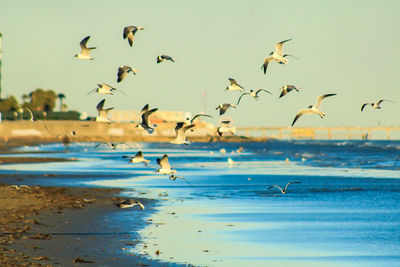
point(62, 226)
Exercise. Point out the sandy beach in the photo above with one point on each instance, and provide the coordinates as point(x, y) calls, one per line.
point(63, 226)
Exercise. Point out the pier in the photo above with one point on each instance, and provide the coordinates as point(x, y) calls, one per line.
point(326, 133)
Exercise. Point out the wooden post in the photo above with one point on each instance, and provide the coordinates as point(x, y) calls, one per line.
point(330, 133)
point(247, 133)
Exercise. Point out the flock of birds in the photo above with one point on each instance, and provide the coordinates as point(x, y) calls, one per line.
point(182, 127)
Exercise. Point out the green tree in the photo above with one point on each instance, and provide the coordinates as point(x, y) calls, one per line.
point(61, 97)
point(42, 100)
point(9, 104)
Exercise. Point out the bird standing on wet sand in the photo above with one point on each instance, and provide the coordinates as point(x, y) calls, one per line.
point(224, 107)
point(164, 58)
point(280, 188)
point(138, 158)
point(85, 51)
point(180, 130)
point(253, 94)
point(288, 88)
point(146, 124)
point(123, 71)
point(129, 32)
point(277, 56)
point(234, 86)
point(313, 108)
point(102, 117)
point(127, 203)
point(376, 105)
point(165, 168)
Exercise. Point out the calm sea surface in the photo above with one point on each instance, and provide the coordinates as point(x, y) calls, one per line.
point(345, 211)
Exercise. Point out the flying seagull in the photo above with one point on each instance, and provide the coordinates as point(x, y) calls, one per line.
point(313, 108)
point(224, 107)
point(277, 56)
point(173, 178)
point(104, 89)
point(123, 71)
point(129, 32)
point(127, 203)
point(146, 124)
point(376, 105)
point(165, 168)
point(138, 158)
point(288, 88)
point(85, 51)
point(198, 115)
point(280, 188)
point(253, 94)
point(234, 86)
point(164, 58)
point(180, 130)
point(102, 117)
point(226, 128)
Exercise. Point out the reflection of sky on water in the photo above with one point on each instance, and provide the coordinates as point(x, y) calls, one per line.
point(344, 212)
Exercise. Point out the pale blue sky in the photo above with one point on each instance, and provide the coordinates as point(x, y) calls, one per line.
point(346, 47)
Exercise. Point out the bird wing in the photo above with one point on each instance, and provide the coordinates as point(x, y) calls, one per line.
point(84, 42)
point(127, 30)
point(265, 65)
point(363, 106)
point(122, 72)
point(320, 98)
point(288, 55)
point(233, 82)
point(277, 186)
point(259, 90)
point(100, 105)
point(278, 46)
point(131, 37)
point(183, 178)
point(139, 154)
point(241, 98)
point(284, 92)
point(163, 162)
point(225, 123)
point(291, 183)
point(300, 113)
point(145, 108)
point(199, 115)
point(379, 102)
point(145, 116)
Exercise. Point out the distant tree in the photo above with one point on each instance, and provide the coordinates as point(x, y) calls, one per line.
point(42, 100)
point(61, 97)
point(9, 104)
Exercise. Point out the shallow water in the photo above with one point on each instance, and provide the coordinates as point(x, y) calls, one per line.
point(345, 211)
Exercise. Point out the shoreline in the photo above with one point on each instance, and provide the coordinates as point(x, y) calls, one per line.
point(66, 226)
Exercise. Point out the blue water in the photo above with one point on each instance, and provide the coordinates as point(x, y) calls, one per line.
point(345, 211)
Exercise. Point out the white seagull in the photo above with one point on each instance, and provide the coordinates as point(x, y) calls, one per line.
point(123, 71)
point(280, 188)
point(226, 128)
point(224, 107)
point(165, 168)
point(102, 117)
point(313, 108)
point(173, 178)
point(277, 56)
point(164, 58)
point(253, 94)
point(288, 88)
point(146, 124)
point(127, 203)
point(234, 86)
point(129, 32)
point(104, 89)
point(138, 158)
point(376, 105)
point(180, 130)
point(85, 51)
